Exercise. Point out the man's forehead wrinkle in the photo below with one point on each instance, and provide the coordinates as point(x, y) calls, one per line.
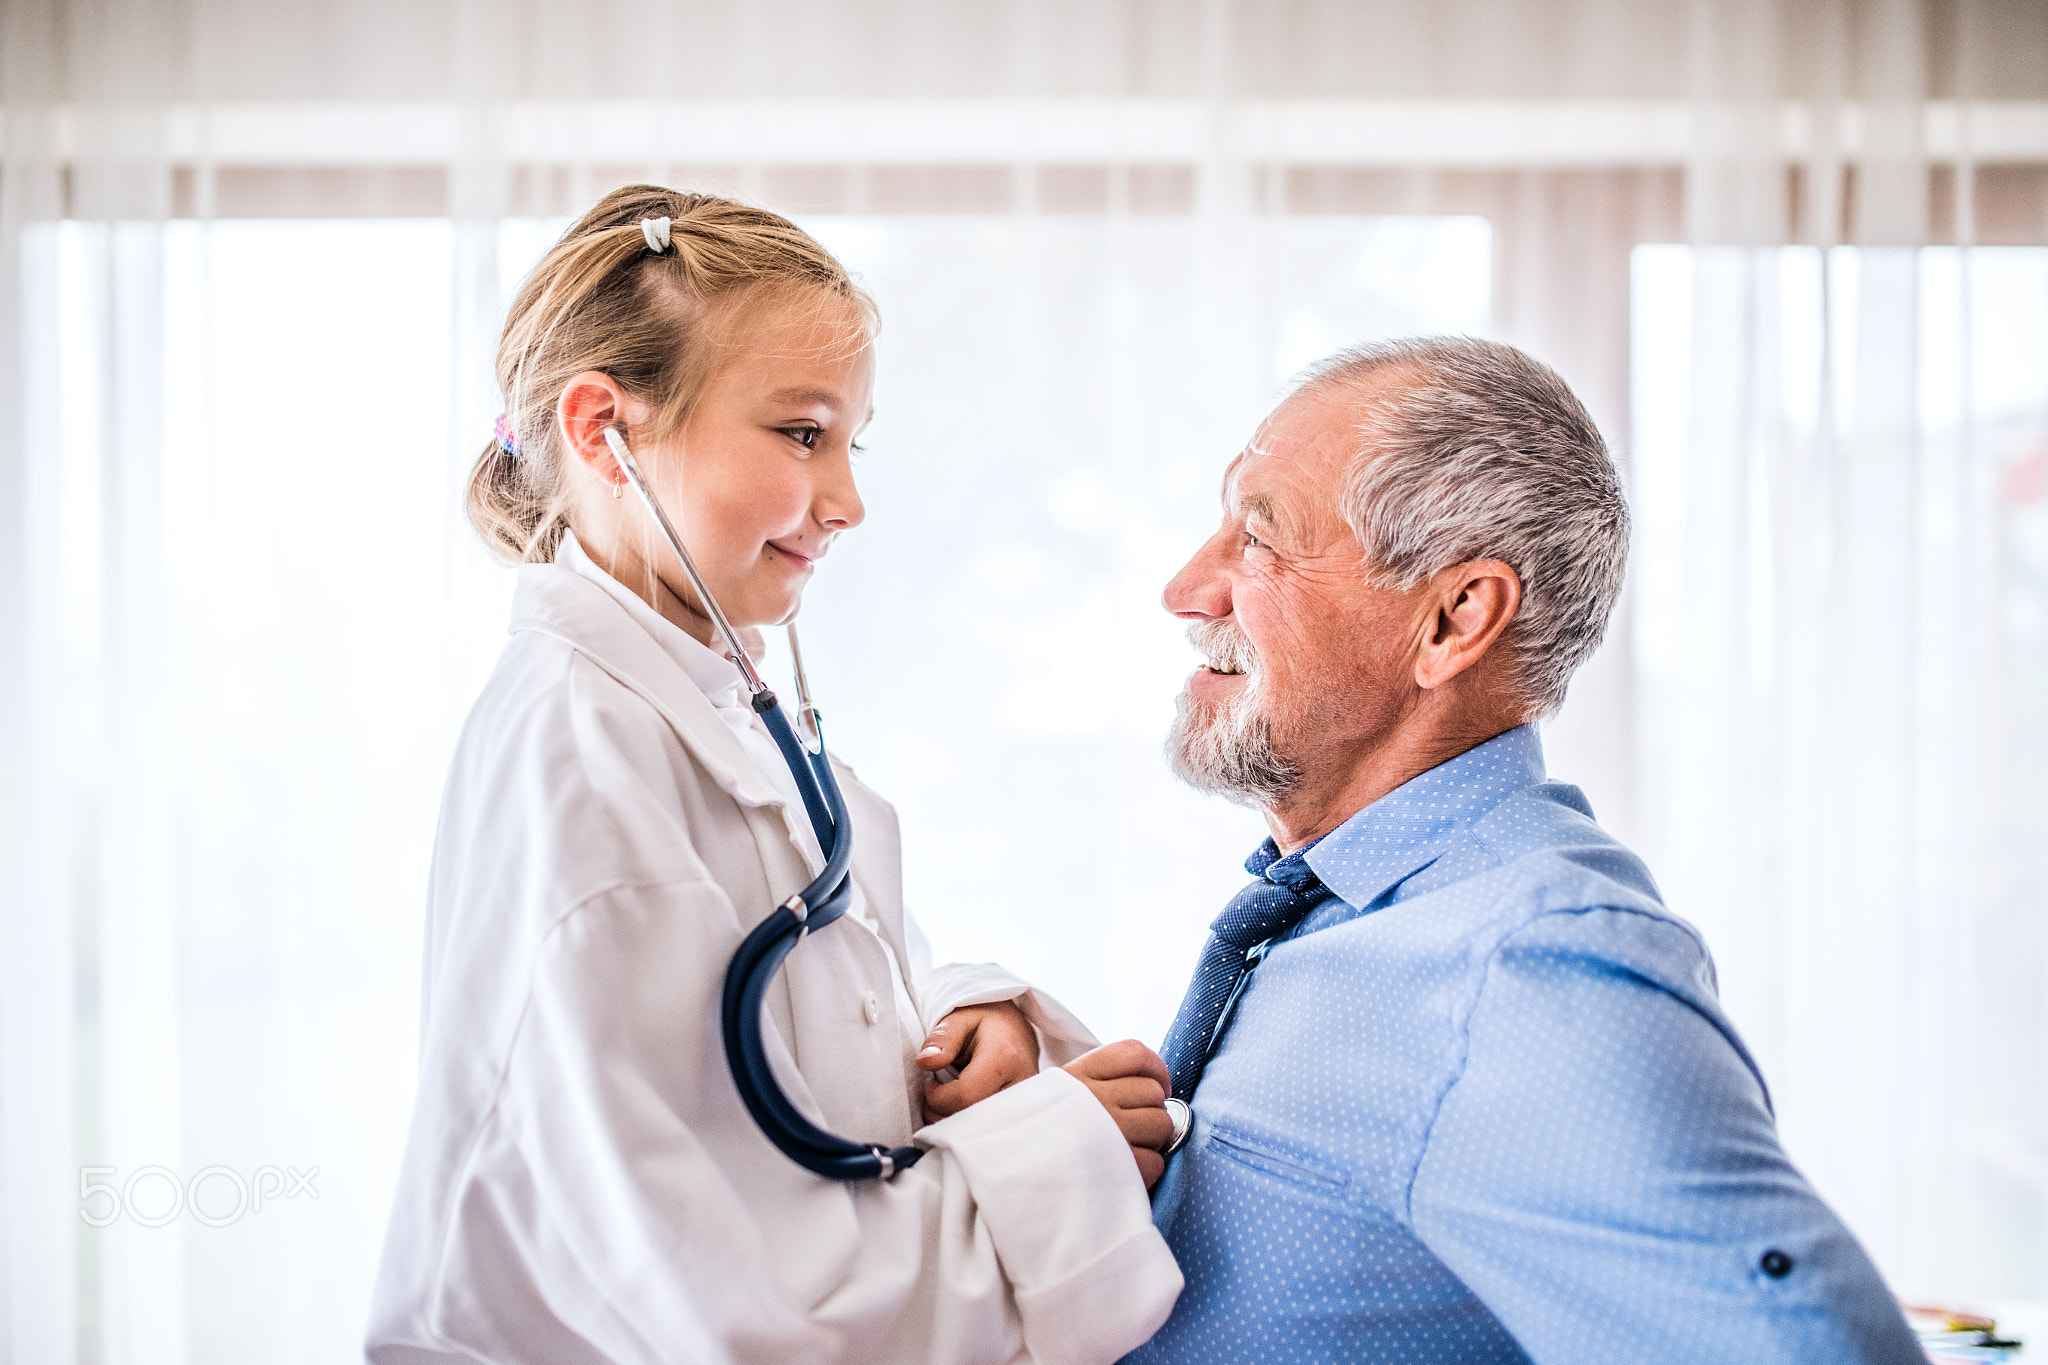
point(1257, 502)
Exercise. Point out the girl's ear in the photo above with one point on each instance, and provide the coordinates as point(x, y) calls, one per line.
point(589, 403)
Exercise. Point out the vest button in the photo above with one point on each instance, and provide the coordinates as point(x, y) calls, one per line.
point(872, 1008)
point(1775, 1264)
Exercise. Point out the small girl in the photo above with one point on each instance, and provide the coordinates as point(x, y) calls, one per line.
point(582, 1181)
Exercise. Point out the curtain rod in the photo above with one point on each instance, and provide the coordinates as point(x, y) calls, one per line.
point(1437, 134)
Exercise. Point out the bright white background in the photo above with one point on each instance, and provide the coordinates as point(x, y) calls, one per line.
point(989, 645)
point(252, 261)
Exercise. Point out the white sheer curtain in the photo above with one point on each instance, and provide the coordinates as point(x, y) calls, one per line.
point(1839, 594)
point(1839, 604)
point(251, 265)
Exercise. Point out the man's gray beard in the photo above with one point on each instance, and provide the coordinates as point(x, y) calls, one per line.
point(1229, 750)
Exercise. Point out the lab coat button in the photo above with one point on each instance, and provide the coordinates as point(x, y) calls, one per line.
point(871, 1007)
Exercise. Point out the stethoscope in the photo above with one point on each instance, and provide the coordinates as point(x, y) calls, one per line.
point(815, 907)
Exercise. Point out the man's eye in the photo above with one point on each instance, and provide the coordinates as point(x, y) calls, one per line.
point(807, 437)
point(1251, 541)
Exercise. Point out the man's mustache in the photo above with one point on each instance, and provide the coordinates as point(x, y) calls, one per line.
point(1227, 648)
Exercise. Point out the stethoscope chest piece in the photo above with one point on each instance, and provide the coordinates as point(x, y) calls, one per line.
point(1183, 1121)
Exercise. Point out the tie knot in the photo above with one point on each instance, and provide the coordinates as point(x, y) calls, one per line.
point(1263, 857)
point(1296, 875)
point(1287, 889)
point(1292, 871)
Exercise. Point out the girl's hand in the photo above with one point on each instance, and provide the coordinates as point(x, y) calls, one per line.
point(1132, 1084)
point(992, 1047)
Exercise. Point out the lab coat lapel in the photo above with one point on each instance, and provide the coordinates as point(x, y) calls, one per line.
point(563, 604)
point(558, 602)
point(879, 869)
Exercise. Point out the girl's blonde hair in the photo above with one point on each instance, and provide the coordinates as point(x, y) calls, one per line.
point(603, 300)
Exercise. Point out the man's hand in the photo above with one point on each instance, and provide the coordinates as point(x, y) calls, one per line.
point(1132, 1084)
point(992, 1046)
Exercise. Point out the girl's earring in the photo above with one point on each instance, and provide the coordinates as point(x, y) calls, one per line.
point(619, 489)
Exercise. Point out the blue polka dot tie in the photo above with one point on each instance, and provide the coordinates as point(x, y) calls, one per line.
point(1286, 890)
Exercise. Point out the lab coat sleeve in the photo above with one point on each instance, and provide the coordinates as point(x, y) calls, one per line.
point(1606, 1177)
point(940, 990)
point(1098, 1271)
point(664, 1219)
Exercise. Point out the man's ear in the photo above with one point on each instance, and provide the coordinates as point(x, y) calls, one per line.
point(1474, 603)
point(589, 403)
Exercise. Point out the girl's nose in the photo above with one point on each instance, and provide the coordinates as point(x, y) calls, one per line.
point(836, 502)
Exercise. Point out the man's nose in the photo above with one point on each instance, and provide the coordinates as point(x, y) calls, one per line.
point(1201, 590)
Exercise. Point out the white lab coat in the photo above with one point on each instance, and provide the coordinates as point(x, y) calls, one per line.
point(581, 1182)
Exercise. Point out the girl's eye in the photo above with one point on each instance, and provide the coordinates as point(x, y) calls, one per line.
point(807, 437)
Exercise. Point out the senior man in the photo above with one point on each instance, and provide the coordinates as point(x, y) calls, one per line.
point(1461, 1088)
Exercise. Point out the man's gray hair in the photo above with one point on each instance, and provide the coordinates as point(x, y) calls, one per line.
point(1477, 451)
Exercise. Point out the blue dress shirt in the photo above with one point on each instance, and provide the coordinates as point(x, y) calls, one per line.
point(1485, 1107)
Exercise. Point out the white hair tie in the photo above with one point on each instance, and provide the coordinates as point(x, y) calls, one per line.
point(655, 230)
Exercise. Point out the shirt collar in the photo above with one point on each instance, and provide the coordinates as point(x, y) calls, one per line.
point(712, 671)
point(1408, 828)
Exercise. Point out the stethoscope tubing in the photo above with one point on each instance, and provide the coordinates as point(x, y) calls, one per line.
point(818, 906)
point(761, 955)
